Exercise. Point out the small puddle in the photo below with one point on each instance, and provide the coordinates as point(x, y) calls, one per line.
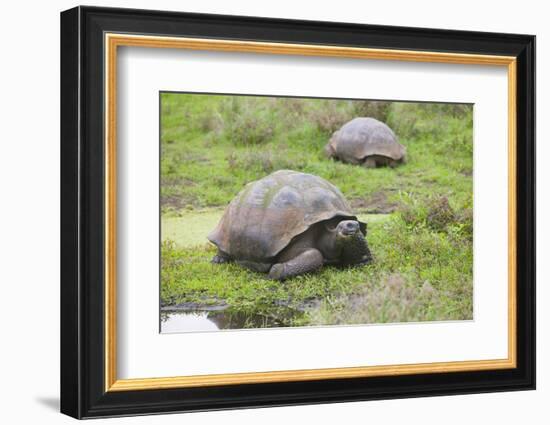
point(176, 320)
point(186, 322)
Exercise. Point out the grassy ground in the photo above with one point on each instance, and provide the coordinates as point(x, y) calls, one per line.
point(421, 239)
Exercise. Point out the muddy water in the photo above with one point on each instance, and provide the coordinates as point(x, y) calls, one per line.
point(212, 319)
point(186, 322)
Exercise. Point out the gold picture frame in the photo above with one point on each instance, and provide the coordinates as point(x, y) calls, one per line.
point(114, 41)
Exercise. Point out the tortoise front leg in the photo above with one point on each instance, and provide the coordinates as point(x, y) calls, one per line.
point(221, 257)
point(306, 262)
point(370, 162)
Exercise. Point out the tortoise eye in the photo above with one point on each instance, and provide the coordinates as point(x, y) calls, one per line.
point(332, 224)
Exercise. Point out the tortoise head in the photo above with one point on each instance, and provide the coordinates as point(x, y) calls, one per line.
point(347, 228)
point(349, 240)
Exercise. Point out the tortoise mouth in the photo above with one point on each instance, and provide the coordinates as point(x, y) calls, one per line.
point(366, 259)
point(348, 232)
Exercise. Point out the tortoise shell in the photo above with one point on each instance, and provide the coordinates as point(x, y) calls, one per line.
point(268, 213)
point(364, 137)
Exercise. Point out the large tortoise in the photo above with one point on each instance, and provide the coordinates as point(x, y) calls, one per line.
point(366, 141)
point(290, 223)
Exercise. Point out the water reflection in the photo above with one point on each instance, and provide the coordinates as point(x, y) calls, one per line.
point(184, 322)
point(194, 320)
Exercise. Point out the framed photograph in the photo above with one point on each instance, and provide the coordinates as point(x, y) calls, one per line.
point(261, 212)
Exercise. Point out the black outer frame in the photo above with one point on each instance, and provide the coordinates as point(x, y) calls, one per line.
point(82, 216)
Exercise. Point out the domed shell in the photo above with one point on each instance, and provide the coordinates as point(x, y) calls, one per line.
point(363, 137)
point(264, 217)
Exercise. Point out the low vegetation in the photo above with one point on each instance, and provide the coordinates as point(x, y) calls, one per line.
point(211, 146)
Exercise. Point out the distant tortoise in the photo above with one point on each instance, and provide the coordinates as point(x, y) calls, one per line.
point(288, 224)
point(366, 141)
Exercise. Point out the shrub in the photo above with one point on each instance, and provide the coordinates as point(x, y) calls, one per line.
point(211, 122)
point(456, 110)
point(403, 119)
point(263, 162)
point(292, 112)
point(249, 129)
point(464, 224)
point(247, 121)
point(434, 212)
point(328, 117)
point(440, 213)
point(372, 108)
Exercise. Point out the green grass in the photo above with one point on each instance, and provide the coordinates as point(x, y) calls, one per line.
point(203, 164)
point(417, 275)
point(213, 145)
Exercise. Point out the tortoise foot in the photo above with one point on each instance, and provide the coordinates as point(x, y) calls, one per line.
point(220, 259)
point(277, 272)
